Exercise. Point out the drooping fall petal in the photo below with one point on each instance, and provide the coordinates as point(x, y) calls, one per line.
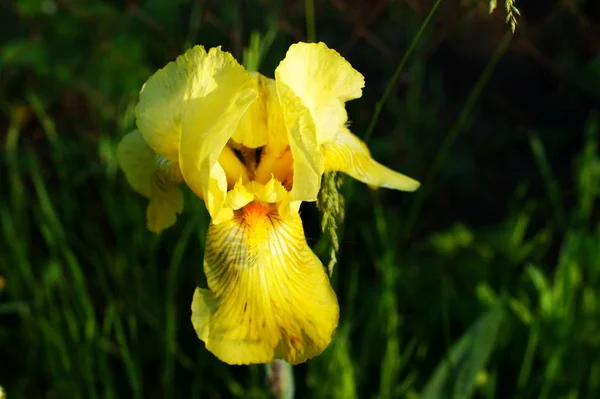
point(348, 154)
point(268, 296)
point(165, 203)
point(154, 177)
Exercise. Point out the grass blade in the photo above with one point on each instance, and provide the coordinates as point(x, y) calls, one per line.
point(456, 376)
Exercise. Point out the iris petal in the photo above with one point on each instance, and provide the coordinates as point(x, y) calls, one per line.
point(239, 196)
point(313, 84)
point(136, 159)
point(153, 178)
point(165, 203)
point(323, 81)
point(350, 155)
point(234, 168)
point(304, 145)
point(253, 127)
point(219, 95)
point(159, 110)
point(268, 296)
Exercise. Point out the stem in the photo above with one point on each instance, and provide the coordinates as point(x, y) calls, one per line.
point(311, 34)
point(454, 132)
point(394, 80)
point(280, 379)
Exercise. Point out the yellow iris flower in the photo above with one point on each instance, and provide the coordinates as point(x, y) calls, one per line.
point(253, 148)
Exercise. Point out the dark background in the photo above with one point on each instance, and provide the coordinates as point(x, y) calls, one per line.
point(500, 246)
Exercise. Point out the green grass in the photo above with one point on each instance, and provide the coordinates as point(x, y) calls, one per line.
point(483, 284)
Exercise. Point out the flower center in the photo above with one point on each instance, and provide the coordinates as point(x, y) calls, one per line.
point(256, 221)
point(254, 213)
point(166, 172)
point(257, 164)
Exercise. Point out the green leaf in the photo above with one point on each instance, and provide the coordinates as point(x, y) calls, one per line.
point(456, 376)
point(540, 282)
point(521, 311)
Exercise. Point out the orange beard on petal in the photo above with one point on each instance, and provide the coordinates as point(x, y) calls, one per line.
point(254, 213)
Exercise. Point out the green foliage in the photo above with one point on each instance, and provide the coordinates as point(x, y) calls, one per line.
point(331, 205)
point(456, 376)
point(511, 12)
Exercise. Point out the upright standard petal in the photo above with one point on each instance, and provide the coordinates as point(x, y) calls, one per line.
point(307, 162)
point(262, 124)
point(276, 156)
point(220, 92)
point(162, 98)
point(252, 129)
point(348, 154)
point(154, 177)
point(268, 296)
point(323, 81)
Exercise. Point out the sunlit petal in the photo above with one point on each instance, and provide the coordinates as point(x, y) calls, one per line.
point(275, 163)
point(272, 192)
point(239, 196)
point(323, 81)
point(162, 98)
point(220, 94)
point(268, 296)
point(234, 168)
point(277, 140)
point(304, 145)
point(348, 154)
point(253, 126)
point(216, 192)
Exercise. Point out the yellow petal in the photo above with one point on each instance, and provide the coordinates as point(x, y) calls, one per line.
point(323, 81)
point(348, 154)
point(262, 124)
point(162, 99)
point(166, 202)
point(275, 163)
point(268, 296)
point(277, 140)
point(136, 159)
point(216, 192)
point(224, 215)
point(287, 208)
point(236, 198)
point(234, 168)
point(272, 192)
point(220, 93)
point(154, 178)
point(305, 148)
point(239, 196)
point(251, 132)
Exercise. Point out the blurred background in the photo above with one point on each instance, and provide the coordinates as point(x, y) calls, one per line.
point(485, 283)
